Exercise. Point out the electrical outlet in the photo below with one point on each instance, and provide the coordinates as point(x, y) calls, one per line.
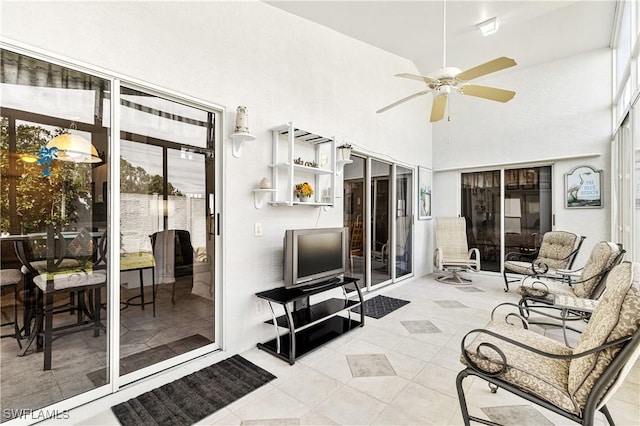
point(257, 229)
point(258, 307)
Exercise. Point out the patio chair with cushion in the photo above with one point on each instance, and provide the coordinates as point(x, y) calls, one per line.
point(573, 382)
point(558, 250)
point(586, 282)
point(452, 253)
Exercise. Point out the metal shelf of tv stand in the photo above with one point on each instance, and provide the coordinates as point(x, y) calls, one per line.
point(312, 326)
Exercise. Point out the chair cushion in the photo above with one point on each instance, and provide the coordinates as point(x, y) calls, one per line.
point(543, 288)
point(10, 277)
point(519, 267)
point(537, 374)
point(616, 315)
point(41, 265)
point(556, 247)
point(70, 279)
point(601, 259)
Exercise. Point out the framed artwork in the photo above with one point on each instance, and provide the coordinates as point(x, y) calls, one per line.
point(425, 179)
point(583, 188)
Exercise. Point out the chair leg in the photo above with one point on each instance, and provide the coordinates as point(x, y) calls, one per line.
point(506, 281)
point(604, 410)
point(463, 402)
point(96, 312)
point(48, 330)
point(141, 291)
point(16, 328)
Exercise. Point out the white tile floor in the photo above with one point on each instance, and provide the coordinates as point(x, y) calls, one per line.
point(321, 388)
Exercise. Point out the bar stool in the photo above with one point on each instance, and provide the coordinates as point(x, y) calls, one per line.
point(9, 279)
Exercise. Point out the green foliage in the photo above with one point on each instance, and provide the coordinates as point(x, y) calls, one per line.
point(136, 180)
point(63, 196)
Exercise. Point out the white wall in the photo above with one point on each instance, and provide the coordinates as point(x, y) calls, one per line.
point(282, 68)
point(561, 109)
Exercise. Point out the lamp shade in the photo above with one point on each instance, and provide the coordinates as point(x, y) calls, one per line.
point(74, 148)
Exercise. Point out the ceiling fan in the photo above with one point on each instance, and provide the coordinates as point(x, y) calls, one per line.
point(447, 79)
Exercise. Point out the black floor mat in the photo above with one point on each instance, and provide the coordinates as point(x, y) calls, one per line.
point(379, 306)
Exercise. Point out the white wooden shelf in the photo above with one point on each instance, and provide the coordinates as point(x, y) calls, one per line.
point(290, 143)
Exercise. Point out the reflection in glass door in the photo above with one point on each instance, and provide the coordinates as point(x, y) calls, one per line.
point(404, 222)
point(167, 230)
point(354, 215)
point(381, 203)
point(380, 242)
point(527, 211)
point(52, 221)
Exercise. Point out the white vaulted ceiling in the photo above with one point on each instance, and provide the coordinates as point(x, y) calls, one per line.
point(531, 32)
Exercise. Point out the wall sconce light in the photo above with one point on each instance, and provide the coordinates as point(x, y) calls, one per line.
point(488, 27)
point(241, 132)
point(72, 147)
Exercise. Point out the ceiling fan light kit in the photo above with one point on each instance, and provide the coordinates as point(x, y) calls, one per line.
point(447, 79)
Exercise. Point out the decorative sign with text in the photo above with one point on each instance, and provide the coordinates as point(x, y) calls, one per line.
point(583, 188)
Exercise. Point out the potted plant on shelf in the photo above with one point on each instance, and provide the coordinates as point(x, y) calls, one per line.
point(303, 191)
point(345, 151)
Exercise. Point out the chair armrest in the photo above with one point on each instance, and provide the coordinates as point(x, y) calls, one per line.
point(516, 255)
point(521, 310)
point(503, 359)
point(437, 258)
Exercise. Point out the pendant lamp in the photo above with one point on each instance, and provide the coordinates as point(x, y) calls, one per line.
point(72, 147)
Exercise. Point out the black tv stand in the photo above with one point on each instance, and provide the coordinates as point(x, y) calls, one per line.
point(310, 325)
point(320, 285)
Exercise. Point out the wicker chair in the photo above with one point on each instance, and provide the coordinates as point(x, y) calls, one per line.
point(452, 253)
point(573, 382)
point(558, 250)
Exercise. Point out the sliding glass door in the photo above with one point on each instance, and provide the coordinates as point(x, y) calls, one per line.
point(54, 152)
point(166, 192)
point(379, 210)
point(526, 212)
point(109, 241)
point(403, 217)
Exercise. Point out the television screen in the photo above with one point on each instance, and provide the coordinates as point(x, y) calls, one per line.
point(318, 253)
point(314, 255)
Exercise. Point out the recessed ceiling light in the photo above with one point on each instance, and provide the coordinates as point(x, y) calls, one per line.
point(490, 26)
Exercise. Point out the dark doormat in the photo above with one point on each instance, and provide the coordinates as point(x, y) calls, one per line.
point(151, 356)
point(194, 397)
point(379, 306)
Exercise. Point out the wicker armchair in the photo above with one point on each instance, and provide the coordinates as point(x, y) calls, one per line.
point(573, 382)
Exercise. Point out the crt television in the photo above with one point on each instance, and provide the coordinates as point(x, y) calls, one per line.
point(312, 256)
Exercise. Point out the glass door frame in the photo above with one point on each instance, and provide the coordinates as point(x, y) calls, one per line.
point(112, 351)
point(368, 214)
point(214, 213)
point(502, 168)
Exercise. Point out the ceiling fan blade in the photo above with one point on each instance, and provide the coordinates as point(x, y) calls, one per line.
point(486, 68)
point(423, 92)
point(417, 77)
point(486, 92)
point(438, 107)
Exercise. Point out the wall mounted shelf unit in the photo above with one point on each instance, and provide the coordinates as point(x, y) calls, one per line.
point(300, 156)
